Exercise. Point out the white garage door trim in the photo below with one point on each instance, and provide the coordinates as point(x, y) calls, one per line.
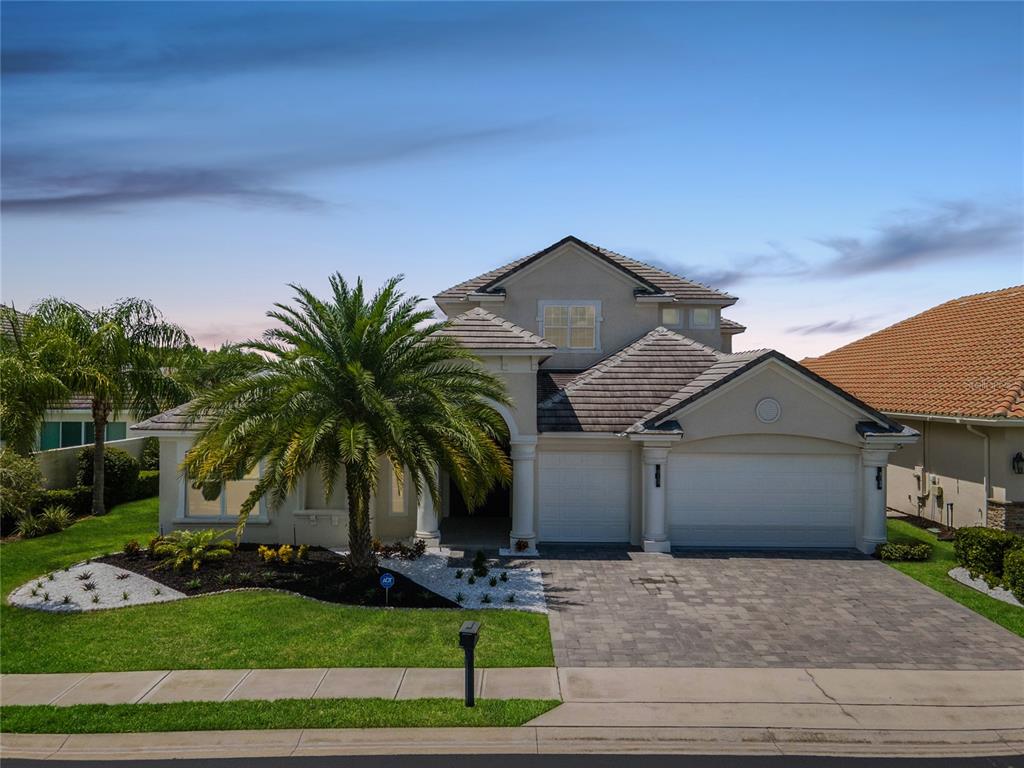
point(762, 500)
point(584, 496)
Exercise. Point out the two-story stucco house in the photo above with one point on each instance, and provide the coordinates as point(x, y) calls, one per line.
point(634, 423)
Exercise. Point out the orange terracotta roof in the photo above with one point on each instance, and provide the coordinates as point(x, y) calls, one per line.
point(961, 358)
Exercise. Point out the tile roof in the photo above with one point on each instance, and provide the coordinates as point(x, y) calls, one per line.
point(731, 326)
point(479, 329)
point(621, 389)
point(550, 381)
point(174, 420)
point(654, 280)
point(961, 358)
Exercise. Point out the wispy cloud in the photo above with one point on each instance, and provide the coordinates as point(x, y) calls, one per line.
point(946, 231)
point(943, 231)
point(850, 325)
point(38, 182)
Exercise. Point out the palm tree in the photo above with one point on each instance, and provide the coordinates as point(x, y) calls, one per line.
point(28, 385)
point(116, 355)
point(345, 381)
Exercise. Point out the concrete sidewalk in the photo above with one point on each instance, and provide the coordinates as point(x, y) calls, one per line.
point(606, 710)
point(268, 684)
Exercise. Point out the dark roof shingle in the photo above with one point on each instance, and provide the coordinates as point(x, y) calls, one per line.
point(655, 281)
point(479, 329)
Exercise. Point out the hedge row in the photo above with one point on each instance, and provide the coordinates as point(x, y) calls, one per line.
point(903, 552)
point(983, 550)
point(79, 498)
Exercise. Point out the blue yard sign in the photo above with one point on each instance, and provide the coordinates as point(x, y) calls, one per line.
point(387, 580)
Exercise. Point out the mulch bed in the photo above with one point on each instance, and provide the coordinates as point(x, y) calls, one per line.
point(320, 576)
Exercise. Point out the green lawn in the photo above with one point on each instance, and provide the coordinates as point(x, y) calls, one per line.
point(262, 715)
point(933, 573)
point(239, 630)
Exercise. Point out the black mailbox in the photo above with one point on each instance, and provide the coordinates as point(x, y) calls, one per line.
point(468, 635)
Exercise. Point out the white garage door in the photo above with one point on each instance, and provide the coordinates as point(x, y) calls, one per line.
point(584, 496)
point(777, 500)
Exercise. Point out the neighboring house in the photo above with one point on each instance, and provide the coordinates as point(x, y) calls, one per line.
point(633, 423)
point(71, 424)
point(956, 374)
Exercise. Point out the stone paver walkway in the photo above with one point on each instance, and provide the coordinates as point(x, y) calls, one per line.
point(270, 684)
point(616, 608)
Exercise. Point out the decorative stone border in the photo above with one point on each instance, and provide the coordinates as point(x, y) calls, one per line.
point(999, 593)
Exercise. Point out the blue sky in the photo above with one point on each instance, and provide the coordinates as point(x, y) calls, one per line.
point(837, 166)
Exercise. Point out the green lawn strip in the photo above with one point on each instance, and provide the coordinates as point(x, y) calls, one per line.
point(262, 715)
point(934, 573)
point(238, 630)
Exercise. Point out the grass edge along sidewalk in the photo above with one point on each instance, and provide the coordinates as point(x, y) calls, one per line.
point(240, 630)
point(264, 715)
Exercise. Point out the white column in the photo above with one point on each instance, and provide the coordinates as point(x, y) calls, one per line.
point(872, 528)
point(426, 516)
point(523, 459)
point(655, 535)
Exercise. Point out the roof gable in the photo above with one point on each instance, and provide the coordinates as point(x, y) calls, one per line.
point(962, 358)
point(649, 280)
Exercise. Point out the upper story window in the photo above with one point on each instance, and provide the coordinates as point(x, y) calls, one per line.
point(671, 316)
point(570, 324)
point(702, 317)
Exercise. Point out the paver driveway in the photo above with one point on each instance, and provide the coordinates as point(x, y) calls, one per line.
point(611, 607)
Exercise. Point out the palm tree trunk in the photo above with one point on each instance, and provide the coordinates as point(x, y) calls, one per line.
point(360, 550)
point(100, 411)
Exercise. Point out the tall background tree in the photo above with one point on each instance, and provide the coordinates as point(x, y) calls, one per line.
point(28, 382)
point(119, 356)
point(343, 381)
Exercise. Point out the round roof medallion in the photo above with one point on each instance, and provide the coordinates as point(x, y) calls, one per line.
point(768, 410)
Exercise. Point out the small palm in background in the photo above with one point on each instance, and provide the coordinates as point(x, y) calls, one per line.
point(192, 548)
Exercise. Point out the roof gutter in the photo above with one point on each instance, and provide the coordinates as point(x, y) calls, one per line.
point(980, 421)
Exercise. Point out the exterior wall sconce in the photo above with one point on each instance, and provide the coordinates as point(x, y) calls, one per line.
point(657, 475)
point(878, 478)
point(1018, 463)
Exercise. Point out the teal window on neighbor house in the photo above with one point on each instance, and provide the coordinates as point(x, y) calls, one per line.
point(66, 434)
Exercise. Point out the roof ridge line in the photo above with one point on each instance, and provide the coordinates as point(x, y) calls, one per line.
point(504, 322)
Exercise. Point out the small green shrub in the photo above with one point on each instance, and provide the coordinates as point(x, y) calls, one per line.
point(471, 579)
point(21, 485)
point(982, 550)
point(1013, 572)
point(77, 499)
point(149, 460)
point(55, 518)
point(504, 576)
point(195, 583)
point(120, 473)
point(193, 548)
point(486, 598)
point(493, 581)
point(148, 484)
point(132, 548)
point(904, 552)
point(29, 526)
point(154, 544)
point(460, 598)
point(458, 573)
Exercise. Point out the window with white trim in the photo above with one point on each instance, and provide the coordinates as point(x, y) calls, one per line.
point(571, 324)
point(228, 502)
point(671, 316)
point(702, 317)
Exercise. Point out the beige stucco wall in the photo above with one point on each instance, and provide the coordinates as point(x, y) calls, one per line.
point(953, 460)
point(572, 273)
point(304, 517)
point(807, 411)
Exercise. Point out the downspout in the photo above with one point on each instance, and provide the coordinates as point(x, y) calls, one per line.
point(988, 484)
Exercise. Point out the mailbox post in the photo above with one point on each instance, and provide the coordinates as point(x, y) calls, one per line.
point(468, 636)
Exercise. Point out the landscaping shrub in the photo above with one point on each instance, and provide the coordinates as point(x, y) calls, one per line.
point(149, 460)
point(77, 499)
point(29, 526)
point(132, 547)
point(982, 550)
point(1013, 572)
point(121, 473)
point(55, 518)
point(903, 552)
point(21, 485)
point(193, 548)
point(399, 550)
point(148, 484)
